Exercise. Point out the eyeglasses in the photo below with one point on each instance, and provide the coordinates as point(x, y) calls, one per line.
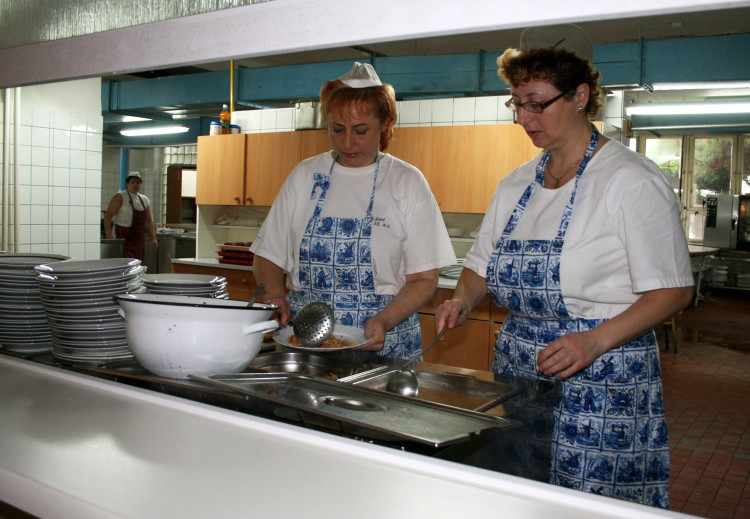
point(533, 107)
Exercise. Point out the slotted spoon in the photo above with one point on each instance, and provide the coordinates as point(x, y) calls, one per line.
point(313, 324)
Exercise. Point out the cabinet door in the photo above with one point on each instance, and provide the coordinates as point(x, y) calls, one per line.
point(463, 164)
point(174, 194)
point(314, 142)
point(464, 347)
point(220, 170)
point(270, 158)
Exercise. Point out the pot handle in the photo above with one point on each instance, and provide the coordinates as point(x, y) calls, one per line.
point(262, 327)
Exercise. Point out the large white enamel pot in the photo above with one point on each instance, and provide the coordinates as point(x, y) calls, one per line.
point(177, 336)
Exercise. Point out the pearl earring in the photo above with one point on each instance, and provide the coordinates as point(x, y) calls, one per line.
point(580, 109)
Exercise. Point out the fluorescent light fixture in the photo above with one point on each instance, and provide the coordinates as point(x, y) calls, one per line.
point(688, 109)
point(154, 130)
point(701, 85)
point(133, 119)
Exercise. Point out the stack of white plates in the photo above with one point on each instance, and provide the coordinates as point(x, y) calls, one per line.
point(23, 324)
point(743, 280)
point(719, 275)
point(453, 271)
point(82, 312)
point(198, 285)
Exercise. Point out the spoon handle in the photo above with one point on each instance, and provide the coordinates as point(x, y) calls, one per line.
point(258, 292)
point(433, 343)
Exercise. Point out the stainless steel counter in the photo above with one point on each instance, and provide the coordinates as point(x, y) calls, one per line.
point(72, 445)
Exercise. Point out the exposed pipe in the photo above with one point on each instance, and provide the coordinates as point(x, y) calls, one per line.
point(16, 153)
point(231, 87)
point(6, 168)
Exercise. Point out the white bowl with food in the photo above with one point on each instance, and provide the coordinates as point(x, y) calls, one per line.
point(178, 336)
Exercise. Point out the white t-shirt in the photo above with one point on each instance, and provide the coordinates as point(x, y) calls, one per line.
point(408, 233)
point(124, 216)
point(625, 236)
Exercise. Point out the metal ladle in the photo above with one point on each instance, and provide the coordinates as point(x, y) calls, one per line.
point(405, 382)
point(256, 294)
point(313, 324)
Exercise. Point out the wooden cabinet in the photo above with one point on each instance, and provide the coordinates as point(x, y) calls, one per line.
point(240, 283)
point(221, 170)
point(245, 169)
point(465, 346)
point(463, 164)
point(269, 158)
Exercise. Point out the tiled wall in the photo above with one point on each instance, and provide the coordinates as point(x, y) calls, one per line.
point(429, 112)
point(59, 182)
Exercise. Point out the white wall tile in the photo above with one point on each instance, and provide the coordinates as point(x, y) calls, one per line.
point(425, 111)
point(59, 233)
point(39, 215)
point(93, 160)
point(61, 138)
point(92, 233)
point(60, 176)
point(285, 119)
point(77, 215)
point(24, 174)
point(95, 123)
point(78, 140)
point(24, 135)
point(486, 109)
point(252, 121)
point(76, 233)
point(93, 198)
point(40, 156)
point(77, 196)
point(79, 122)
point(409, 112)
point(60, 214)
point(24, 235)
point(40, 116)
point(61, 120)
point(24, 195)
point(463, 110)
point(60, 195)
point(268, 120)
point(442, 110)
point(78, 159)
point(39, 234)
point(40, 136)
point(77, 178)
point(39, 176)
point(60, 158)
point(40, 195)
point(91, 250)
point(78, 251)
point(94, 179)
point(92, 214)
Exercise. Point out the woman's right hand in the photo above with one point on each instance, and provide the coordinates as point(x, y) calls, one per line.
point(451, 313)
point(285, 309)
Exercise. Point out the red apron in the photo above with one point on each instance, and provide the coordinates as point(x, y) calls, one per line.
point(135, 234)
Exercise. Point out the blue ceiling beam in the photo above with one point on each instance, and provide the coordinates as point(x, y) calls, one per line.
point(413, 77)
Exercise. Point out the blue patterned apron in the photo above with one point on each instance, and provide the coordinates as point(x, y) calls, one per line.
point(610, 432)
point(335, 266)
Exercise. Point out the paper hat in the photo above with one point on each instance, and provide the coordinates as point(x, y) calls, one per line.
point(559, 37)
point(362, 75)
point(133, 174)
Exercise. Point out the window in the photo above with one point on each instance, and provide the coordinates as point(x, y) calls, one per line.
point(745, 182)
point(667, 154)
point(712, 168)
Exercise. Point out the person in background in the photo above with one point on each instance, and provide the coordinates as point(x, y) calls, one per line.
point(128, 216)
point(354, 227)
point(585, 248)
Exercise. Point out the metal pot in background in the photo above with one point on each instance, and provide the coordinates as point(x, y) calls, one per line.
point(111, 248)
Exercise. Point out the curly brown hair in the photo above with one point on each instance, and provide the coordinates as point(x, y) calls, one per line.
point(561, 68)
point(380, 101)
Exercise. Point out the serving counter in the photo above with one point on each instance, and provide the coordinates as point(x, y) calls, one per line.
point(72, 445)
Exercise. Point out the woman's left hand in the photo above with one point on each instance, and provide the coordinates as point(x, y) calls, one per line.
point(569, 354)
point(375, 330)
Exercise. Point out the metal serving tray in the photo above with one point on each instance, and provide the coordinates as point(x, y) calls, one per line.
point(406, 418)
point(453, 389)
point(333, 365)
